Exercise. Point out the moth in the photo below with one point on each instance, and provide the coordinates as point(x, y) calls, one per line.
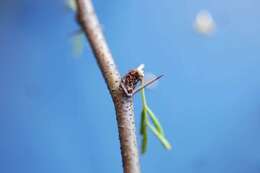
point(130, 81)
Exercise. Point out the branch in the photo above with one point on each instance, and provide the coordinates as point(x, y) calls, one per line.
point(123, 104)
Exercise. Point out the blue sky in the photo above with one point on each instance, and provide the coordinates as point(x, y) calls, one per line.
point(57, 116)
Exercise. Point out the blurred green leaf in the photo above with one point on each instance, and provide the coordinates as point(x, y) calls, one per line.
point(143, 130)
point(155, 121)
point(156, 129)
point(161, 138)
point(77, 43)
point(143, 124)
point(144, 142)
point(71, 4)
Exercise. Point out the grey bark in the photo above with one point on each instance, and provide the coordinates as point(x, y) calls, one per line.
point(123, 104)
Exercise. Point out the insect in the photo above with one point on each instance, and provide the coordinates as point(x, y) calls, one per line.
point(130, 81)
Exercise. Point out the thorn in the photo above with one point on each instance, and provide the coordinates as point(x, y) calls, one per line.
point(147, 83)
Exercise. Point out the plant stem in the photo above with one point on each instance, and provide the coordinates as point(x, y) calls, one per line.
point(123, 105)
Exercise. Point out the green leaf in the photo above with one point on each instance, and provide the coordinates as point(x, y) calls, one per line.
point(144, 142)
point(143, 98)
point(161, 138)
point(155, 121)
point(143, 124)
point(143, 130)
point(156, 128)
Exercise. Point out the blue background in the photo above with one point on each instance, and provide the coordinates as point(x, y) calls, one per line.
point(56, 115)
